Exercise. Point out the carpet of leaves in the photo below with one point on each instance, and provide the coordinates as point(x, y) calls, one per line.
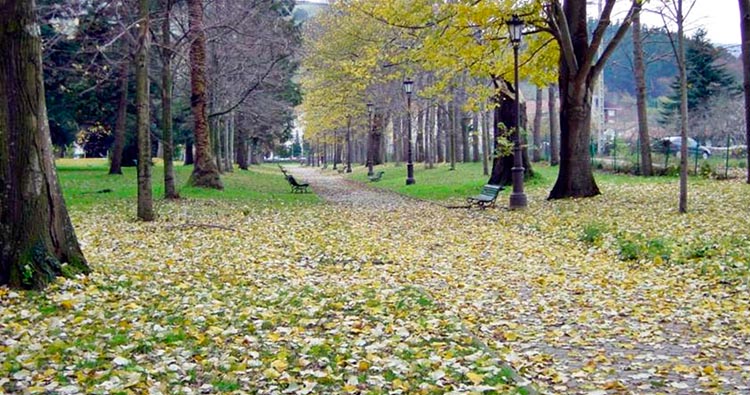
point(610, 295)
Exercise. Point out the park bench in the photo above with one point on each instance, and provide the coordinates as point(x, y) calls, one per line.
point(376, 177)
point(297, 186)
point(486, 198)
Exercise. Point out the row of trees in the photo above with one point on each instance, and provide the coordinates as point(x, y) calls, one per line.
point(222, 71)
point(459, 56)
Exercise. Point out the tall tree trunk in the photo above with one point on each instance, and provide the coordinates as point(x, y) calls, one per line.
point(485, 142)
point(227, 149)
point(189, 157)
point(464, 121)
point(639, 71)
point(429, 155)
point(115, 164)
point(536, 155)
point(554, 125)
point(683, 107)
point(241, 144)
point(420, 136)
point(440, 112)
point(453, 125)
point(397, 143)
point(475, 138)
point(170, 192)
point(145, 198)
point(581, 64)
point(575, 177)
point(37, 238)
point(205, 173)
point(745, 25)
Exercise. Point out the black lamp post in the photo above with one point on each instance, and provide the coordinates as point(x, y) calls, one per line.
point(408, 85)
point(349, 144)
point(517, 197)
point(370, 171)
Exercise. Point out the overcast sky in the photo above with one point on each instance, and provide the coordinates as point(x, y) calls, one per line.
point(720, 18)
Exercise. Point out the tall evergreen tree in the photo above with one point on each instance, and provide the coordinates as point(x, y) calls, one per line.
point(706, 78)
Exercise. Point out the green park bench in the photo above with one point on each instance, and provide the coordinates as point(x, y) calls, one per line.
point(297, 186)
point(486, 198)
point(376, 177)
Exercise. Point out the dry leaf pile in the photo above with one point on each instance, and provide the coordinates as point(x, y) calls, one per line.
point(615, 294)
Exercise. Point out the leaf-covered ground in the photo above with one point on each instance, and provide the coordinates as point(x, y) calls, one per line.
point(375, 293)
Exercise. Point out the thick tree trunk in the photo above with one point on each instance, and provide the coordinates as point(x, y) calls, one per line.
point(536, 155)
point(554, 126)
point(397, 143)
point(37, 238)
point(503, 163)
point(745, 26)
point(145, 198)
point(575, 177)
point(205, 173)
point(639, 71)
point(115, 164)
point(170, 192)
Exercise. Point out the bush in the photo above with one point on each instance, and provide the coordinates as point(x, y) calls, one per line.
point(592, 233)
point(705, 170)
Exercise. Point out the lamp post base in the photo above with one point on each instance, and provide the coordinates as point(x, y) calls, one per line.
point(518, 197)
point(410, 174)
point(518, 201)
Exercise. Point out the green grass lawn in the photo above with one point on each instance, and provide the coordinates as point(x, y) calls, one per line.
point(467, 179)
point(85, 180)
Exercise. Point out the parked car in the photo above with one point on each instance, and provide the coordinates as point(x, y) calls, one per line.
point(672, 144)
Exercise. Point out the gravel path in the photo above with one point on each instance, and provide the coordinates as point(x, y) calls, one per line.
point(335, 189)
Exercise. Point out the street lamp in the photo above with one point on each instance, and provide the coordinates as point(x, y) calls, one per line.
point(349, 144)
point(408, 84)
point(517, 197)
point(370, 171)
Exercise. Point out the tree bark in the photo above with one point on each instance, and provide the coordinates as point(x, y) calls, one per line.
point(639, 71)
point(205, 172)
point(581, 63)
point(145, 198)
point(575, 177)
point(536, 155)
point(486, 146)
point(189, 157)
point(475, 138)
point(170, 192)
point(115, 164)
point(440, 113)
point(37, 238)
point(745, 27)
point(501, 167)
point(554, 125)
point(453, 122)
